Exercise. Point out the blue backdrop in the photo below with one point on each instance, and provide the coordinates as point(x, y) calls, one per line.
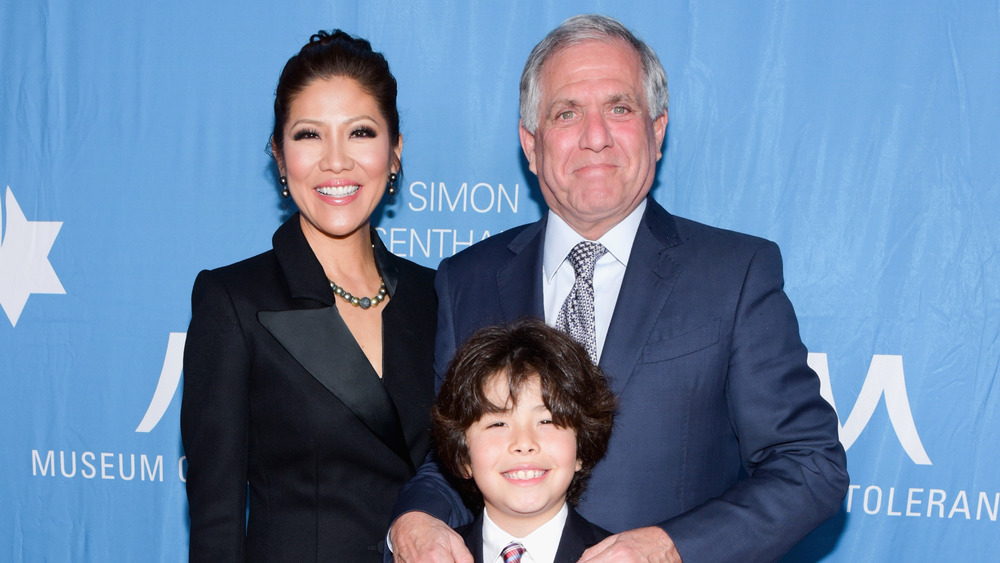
point(861, 136)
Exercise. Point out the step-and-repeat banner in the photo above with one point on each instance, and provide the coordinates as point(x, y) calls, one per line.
point(861, 136)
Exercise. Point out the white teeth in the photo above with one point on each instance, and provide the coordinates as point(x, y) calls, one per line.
point(523, 475)
point(341, 191)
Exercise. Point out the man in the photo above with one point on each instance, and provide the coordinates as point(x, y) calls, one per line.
point(723, 449)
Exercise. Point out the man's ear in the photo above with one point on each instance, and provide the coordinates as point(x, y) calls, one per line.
point(527, 145)
point(659, 130)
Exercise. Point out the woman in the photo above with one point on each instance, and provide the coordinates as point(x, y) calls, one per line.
point(318, 399)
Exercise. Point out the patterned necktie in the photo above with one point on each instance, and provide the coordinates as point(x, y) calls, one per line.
point(576, 317)
point(512, 553)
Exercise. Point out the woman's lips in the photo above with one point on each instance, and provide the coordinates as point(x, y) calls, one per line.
point(338, 191)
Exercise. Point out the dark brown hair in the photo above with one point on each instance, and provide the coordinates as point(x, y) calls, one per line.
point(327, 55)
point(573, 389)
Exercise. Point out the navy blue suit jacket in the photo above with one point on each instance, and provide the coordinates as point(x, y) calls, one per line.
point(578, 534)
point(721, 437)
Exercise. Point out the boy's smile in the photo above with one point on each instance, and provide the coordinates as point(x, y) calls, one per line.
point(521, 461)
point(524, 474)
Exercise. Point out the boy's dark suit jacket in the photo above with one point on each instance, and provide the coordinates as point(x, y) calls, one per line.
point(578, 534)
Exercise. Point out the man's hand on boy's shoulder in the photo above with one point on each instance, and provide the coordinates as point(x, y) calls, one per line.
point(642, 545)
point(418, 537)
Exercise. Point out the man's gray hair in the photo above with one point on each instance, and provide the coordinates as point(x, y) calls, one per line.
point(590, 27)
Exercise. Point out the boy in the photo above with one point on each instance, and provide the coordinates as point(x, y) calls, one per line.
point(522, 418)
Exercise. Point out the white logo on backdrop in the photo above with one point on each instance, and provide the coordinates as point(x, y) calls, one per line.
point(166, 387)
point(884, 378)
point(24, 258)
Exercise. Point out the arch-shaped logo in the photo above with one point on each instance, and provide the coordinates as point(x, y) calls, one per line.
point(884, 378)
point(166, 387)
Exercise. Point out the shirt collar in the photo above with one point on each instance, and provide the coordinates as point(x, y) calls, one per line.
point(560, 238)
point(541, 545)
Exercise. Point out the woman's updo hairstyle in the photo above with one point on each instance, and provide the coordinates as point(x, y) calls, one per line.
point(328, 55)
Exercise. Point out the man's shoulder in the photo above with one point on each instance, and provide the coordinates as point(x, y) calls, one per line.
point(489, 249)
point(701, 235)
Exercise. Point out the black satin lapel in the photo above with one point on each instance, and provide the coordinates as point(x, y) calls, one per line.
point(649, 279)
point(340, 366)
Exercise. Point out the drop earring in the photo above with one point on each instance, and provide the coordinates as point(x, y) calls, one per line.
point(284, 187)
point(391, 185)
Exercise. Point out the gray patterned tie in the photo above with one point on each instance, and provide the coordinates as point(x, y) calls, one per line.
point(576, 316)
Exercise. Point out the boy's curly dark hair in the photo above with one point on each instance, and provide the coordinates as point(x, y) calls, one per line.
point(573, 389)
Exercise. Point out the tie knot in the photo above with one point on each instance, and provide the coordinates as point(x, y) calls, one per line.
point(512, 553)
point(584, 257)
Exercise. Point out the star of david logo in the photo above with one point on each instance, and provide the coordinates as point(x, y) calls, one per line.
point(24, 258)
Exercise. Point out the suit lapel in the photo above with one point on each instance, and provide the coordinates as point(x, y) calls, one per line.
point(578, 535)
point(649, 279)
point(407, 345)
point(519, 282)
point(340, 366)
point(473, 536)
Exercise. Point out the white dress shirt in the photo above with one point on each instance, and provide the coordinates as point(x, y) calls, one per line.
point(558, 275)
point(540, 546)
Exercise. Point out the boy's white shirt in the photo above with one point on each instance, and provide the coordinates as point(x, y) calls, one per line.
point(558, 276)
point(540, 546)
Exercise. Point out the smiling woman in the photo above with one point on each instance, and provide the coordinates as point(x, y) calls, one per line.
point(308, 369)
point(337, 157)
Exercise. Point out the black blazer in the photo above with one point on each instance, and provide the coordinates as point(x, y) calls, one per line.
point(578, 534)
point(278, 394)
